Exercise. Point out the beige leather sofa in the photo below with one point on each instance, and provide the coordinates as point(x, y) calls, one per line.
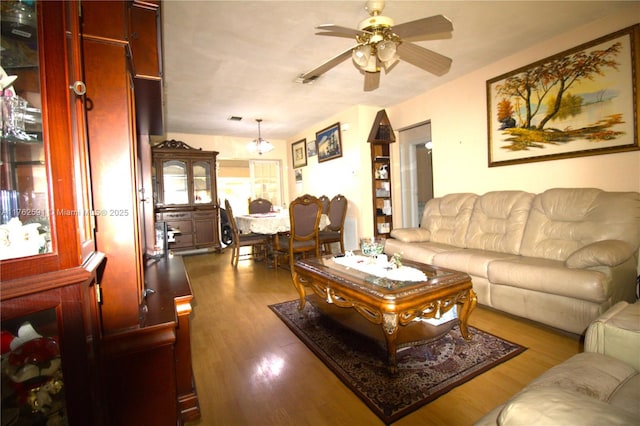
point(561, 257)
point(600, 386)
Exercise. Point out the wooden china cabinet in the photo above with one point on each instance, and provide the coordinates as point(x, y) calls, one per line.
point(186, 197)
point(107, 326)
point(49, 267)
point(380, 138)
point(146, 301)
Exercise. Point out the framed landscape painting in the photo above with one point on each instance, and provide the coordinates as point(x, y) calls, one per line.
point(329, 143)
point(299, 153)
point(579, 102)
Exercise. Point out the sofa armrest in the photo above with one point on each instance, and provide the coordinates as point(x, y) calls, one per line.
point(411, 235)
point(600, 253)
point(554, 406)
point(616, 333)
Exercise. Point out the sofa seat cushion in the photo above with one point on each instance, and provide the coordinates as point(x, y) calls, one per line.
point(626, 397)
point(591, 374)
point(554, 406)
point(581, 389)
point(418, 252)
point(550, 276)
point(471, 261)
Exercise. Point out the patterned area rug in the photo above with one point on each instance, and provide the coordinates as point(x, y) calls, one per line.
point(425, 372)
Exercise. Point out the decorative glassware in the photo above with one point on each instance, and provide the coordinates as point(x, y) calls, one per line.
point(372, 247)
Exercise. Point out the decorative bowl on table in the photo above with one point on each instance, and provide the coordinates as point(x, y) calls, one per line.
point(371, 246)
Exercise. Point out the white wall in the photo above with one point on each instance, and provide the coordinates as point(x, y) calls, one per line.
point(349, 175)
point(458, 114)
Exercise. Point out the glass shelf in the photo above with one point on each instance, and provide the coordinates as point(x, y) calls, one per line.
point(25, 214)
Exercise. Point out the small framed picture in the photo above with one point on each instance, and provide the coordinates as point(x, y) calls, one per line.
point(311, 148)
point(329, 143)
point(299, 153)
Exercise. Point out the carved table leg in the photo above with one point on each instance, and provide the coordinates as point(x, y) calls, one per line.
point(297, 283)
point(469, 303)
point(390, 327)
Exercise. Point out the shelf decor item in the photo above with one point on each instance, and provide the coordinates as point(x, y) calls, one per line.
point(579, 102)
point(380, 139)
point(329, 143)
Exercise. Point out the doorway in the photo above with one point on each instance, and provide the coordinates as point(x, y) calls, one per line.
point(416, 176)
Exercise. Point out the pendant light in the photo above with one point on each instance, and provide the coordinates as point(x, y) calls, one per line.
point(259, 145)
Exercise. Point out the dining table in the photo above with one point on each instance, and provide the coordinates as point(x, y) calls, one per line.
point(270, 223)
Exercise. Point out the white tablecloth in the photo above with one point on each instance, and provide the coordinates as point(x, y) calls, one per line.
point(270, 223)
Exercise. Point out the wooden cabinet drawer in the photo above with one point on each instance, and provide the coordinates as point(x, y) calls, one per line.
point(182, 240)
point(172, 216)
point(184, 226)
point(204, 215)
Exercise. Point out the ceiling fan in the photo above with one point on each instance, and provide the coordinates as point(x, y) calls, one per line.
point(381, 44)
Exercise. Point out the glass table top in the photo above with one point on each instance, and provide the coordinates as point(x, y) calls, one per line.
point(369, 278)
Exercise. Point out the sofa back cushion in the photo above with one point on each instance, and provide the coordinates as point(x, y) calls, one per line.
point(563, 220)
point(498, 221)
point(447, 218)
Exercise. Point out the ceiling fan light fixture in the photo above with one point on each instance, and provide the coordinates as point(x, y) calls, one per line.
point(259, 145)
point(372, 65)
point(387, 51)
point(361, 55)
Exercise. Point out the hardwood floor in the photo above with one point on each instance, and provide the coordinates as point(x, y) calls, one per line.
point(251, 370)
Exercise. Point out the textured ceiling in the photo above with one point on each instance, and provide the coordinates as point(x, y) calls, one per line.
point(241, 58)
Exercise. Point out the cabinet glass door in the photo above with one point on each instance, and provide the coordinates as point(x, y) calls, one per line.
point(175, 182)
point(25, 227)
point(201, 182)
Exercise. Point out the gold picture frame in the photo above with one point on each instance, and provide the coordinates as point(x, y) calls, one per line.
point(580, 102)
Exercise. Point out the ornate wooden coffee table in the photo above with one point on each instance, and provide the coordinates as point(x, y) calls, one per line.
point(389, 311)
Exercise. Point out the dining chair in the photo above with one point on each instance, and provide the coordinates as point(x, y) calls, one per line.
point(334, 232)
point(260, 205)
point(257, 242)
point(325, 204)
point(302, 238)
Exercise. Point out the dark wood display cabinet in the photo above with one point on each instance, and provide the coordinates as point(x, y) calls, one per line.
point(93, 331)
point(145, 307)
point(380, 138)
point(49, 267)
point(186, 197)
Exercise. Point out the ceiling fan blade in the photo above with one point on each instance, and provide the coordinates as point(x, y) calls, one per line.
point(371, 80)
point(426, 59)
point(326, 66)
point(423, 27)
point(337, 30)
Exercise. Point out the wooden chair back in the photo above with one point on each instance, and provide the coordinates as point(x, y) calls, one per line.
point(260, 205)
point(337, 213)
point(304, 217)
point(325, 204)
point(232, 222)
point(257, 242)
